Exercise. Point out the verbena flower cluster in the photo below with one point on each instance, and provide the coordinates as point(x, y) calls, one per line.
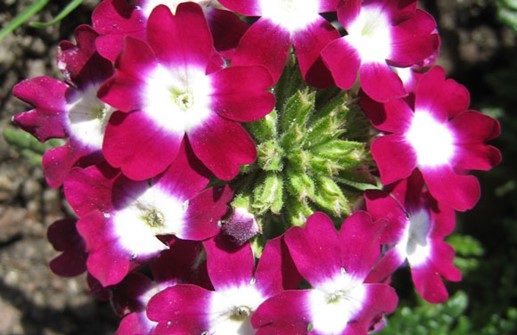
point(204, 141)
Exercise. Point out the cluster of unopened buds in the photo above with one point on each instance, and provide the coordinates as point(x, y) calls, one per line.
point(257, 166)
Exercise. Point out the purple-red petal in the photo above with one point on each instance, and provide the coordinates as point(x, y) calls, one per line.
point(240, 93)
point(395, 158)
point(137, 145)
point(223, 146)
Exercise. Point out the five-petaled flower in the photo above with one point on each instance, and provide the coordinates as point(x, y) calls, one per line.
point(173, 90)
point(436, 133)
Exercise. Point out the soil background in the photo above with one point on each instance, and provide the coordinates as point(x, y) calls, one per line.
point(475, 45)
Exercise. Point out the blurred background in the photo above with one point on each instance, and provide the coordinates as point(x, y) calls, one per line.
point(478, 50)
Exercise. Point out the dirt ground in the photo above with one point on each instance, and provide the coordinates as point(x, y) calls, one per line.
point(35, 301)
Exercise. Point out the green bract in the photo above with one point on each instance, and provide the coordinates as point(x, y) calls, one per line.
point(308, 158)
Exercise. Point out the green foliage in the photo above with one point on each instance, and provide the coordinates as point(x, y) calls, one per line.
point(507, 12)
point(26, 14)
point(447, 319)
point(309, 157)
point(28, 146)
point(428, 319)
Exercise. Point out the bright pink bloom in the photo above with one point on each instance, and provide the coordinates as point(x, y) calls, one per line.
point(238, 290)
point(69, 110)
point(381, 35)
point(336, 265)
point(436, 134)
point(282, 23)
point(417, 226)
point(126, 223)
point(115, 20)
point(179, 264)
point(174, 89)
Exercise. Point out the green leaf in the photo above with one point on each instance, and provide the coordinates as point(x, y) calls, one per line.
point(23, 17)
point(72, 5)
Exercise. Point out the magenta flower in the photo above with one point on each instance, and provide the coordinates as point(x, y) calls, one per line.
point(417, 226)
point(114, 20)
point(380, 35)
point(281, 24)
point(336, 265)
point(436, 134)
point(69, 110)
point(238, 290)
point(126, 223)
point(170, 90)
point(64, 237)
point(130, 297)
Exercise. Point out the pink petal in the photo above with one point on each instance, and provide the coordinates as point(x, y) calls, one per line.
point(178, 263)
point(48, 118)
point(380, 83)
point(460, 192)
point(360, 236)
point(246, 7)
point(180, 309)
point(443, 261)
point(386, 266)
point(265, 43)
point(327, 5)
point(106, 262)
point(399, 10)
point(272, 316)
point(317, 244)
point(228, 264)
point(443, 98)
point(443, 216)
point(204, 212)
point(58, 162)
point(276, 270)
point(348, 11)
point(186, 176)
point(90, 189)
point(82, 63)
point(227, 30)
point(343, 62)
point(393, 116)
point(382, 206)
point(413, 40)
point(138, 146)
point(123, 90)
point(135, 323)
point(308, 44)
point(223, 146)
point(114, 20)
point(395, 158)
point(188, 37)
point(64, 237)
point(472, 127)
point(429, 284)
point(381, 299)
point(477, 157)
point(241, 93)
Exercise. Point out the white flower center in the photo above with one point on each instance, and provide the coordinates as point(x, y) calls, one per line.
point(231, 308)
point(178, 99)
point(414, 242)
point(335, 302)
point(432, 140)
point(370, 35)
point(148, 5)
point(88, 117)
point(154, 212)
point(292, 15)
